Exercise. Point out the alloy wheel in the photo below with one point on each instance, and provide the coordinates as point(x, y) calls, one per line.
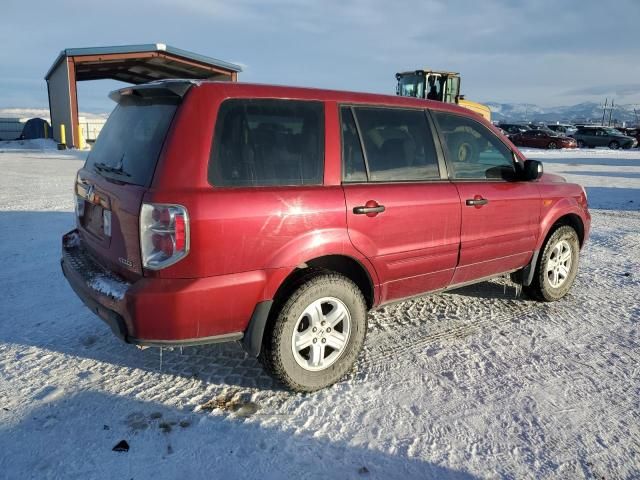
point(559, 264)
point(321, 334)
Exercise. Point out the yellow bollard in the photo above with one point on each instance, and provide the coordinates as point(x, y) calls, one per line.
point(63, 138)
point(81, 143)
point(46, 130)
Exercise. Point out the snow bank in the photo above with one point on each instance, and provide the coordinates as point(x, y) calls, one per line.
point(33, 144)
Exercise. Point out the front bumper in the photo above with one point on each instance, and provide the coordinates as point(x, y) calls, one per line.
point(157, 311)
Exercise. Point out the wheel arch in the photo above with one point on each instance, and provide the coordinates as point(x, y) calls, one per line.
point(266, 310)
point(572, 220)
point(345, 265)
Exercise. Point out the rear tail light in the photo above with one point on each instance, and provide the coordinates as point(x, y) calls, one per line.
point(164, 235)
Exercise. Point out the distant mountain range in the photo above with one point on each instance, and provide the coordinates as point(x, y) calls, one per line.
point(582, 112)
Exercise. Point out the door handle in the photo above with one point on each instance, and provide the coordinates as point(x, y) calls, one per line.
point(476, 202)
point(366, 210)
point(371, 210)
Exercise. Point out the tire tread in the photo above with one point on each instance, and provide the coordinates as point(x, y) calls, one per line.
point(537, 290)
point(270, 355)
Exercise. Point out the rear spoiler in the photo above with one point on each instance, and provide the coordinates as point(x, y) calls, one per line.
point(158, 88)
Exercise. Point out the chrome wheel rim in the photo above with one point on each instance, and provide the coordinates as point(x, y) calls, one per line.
point(321, 334)
point(553, 146)
point(559, 264)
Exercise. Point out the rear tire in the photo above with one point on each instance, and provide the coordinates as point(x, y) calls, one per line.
point(557, 266)
point(315, 337)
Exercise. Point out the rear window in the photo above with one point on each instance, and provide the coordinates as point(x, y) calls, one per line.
point(268, 143)
point(128, 146)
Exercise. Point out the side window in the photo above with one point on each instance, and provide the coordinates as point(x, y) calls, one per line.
point(267, 143)
point(474, 152)
point(352, 157)
point(398, 144)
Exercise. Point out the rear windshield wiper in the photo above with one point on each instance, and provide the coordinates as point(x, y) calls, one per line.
point(103, 167)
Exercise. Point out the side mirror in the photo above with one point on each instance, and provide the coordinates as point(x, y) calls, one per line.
point(532, 170)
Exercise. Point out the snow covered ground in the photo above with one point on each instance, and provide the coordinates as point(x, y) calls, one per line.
point(475, 383)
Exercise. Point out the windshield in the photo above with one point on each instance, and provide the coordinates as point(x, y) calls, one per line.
point(411, 85)
point(128, 146)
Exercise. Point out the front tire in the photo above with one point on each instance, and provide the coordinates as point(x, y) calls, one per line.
point(316, 336)
point(581, 144)
point(557, 267)
point(552, 146)
point(614, 145)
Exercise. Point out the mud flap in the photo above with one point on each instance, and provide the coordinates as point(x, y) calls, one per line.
point(252, 340)
point(528, 271)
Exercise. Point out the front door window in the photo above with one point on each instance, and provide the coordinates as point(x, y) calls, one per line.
point(472, 151)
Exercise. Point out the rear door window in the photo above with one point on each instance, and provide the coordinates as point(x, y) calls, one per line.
point(398, 144)
point(268, 143)
point(129, 144)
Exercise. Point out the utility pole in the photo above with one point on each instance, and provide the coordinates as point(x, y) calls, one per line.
point(604, 111)
point(610, 113)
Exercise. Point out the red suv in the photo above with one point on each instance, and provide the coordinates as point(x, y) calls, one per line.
point(279, 216)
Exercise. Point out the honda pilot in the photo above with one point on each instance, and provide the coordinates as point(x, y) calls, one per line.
point(279, 216)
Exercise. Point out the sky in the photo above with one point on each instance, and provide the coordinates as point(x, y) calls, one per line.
point(545, 52)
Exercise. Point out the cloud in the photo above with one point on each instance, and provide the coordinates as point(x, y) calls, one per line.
point(620, 90)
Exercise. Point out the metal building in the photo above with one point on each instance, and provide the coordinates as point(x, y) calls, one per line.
point(128, 63)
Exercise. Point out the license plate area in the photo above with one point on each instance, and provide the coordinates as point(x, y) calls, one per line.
point(92, 219)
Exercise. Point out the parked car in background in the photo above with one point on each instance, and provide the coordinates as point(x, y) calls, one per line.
point(632, 132)
point(603, 137)
point(513, 128)
point(543, 139)
point(566, 129)
point(298, 211)
point(502, 131)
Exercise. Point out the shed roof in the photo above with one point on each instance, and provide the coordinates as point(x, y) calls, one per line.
point(142, 63)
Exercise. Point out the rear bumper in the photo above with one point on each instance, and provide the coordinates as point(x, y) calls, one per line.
point(85, 277)
point(163, 312)
point(110, 317)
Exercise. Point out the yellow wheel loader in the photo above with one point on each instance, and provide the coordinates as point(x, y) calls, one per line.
point(436, 85)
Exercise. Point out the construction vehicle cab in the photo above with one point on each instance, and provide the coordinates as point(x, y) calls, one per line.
point(437, 85)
